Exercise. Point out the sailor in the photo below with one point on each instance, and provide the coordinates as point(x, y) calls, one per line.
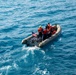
point(48, 32)
point(44, 34)
point(54, 29)
point(49, 27)
point(40, 30)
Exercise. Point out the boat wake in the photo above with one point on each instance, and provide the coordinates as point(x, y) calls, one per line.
point(30, 48)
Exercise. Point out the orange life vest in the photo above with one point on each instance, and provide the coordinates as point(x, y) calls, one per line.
point(48, 30)
point(54, 32)
point(44, 31)
point(49, 27)
point(40, 29)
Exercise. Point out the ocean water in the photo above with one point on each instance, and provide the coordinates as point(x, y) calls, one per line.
point(18, 18)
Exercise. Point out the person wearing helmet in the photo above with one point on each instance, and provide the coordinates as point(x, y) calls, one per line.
point(40, 30)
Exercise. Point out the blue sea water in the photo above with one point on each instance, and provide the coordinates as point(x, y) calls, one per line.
point(18, 18)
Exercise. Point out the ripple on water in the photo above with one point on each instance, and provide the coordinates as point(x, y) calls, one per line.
point(18, 19)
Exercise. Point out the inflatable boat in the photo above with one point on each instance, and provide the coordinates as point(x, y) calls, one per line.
point(34, 41)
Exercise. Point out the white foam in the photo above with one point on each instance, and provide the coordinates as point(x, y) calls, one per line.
point(30, 48)
point(36, 70)
point(47, 58)
point(33, 48)
point(5, 67)
point(44, 72)
point(3, 61)
point(60, 39)
point(15, 65)
point(41, 72)
point(43, 51)
point(24, 56)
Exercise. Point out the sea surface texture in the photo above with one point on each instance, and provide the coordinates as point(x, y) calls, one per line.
point(18, 18)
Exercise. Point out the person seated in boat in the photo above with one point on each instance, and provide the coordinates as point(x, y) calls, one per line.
point(40, 30)
point(48, 32)
point(48, 28)
point(54, 29)
point(44, 34)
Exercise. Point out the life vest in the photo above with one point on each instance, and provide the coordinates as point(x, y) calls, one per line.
point(54, 32)
point(52, 29)
point(49, 27)
point(40, 29)
point(48, 30)
point(55, 28)
point(44, 31)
